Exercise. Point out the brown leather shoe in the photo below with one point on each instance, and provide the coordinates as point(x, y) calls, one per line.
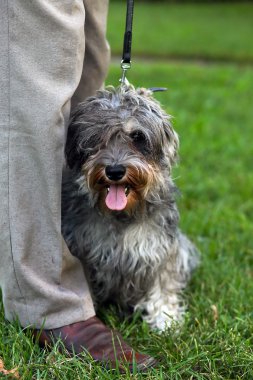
point(103, 344)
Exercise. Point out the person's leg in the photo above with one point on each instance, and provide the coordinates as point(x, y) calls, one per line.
point(97, 50)
point(43, 285)
point(42, 48)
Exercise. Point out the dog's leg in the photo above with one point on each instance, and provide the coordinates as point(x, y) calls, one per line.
point(163, 305)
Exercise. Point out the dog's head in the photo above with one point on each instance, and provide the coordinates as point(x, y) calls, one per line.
point(122, 144)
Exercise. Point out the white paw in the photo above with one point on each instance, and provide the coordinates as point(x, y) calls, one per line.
point(168, 317)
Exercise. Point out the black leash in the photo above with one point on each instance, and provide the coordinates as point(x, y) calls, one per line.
point(126, 55)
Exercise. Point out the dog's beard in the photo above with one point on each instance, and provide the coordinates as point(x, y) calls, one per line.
point(126, 195)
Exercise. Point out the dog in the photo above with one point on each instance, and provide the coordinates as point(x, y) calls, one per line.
point(119, 214)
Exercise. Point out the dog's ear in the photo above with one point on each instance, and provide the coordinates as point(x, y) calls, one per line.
point(172, 140)
point(173, 145)
point(73, 154)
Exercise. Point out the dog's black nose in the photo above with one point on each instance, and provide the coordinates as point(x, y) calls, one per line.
point(115, 172)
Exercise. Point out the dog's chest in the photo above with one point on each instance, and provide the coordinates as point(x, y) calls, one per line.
point(124, 246)
point(122, 262)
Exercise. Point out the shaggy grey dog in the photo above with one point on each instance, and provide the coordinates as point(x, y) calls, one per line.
point(118, 204)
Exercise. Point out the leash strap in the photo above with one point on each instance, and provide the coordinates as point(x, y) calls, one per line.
point(126, 55)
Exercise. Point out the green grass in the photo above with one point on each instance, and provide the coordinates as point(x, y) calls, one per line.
point(213, 113)
point(210, 31)
point(212, 109)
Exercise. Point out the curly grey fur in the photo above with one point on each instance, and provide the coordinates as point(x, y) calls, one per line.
point(137, 258)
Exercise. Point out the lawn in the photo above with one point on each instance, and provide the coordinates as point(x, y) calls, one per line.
point(220, 31)
point(213, 113)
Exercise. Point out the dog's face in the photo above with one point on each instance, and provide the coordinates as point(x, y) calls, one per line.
point(122, 144)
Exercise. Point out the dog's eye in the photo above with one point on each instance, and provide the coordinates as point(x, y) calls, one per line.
point(140, 141)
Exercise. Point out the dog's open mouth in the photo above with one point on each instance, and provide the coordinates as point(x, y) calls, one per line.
point(116, 198)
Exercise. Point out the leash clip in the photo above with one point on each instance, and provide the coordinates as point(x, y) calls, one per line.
point(124, 66)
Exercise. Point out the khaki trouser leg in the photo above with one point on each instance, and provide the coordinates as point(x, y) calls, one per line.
point(42, 47)
point(97, 50)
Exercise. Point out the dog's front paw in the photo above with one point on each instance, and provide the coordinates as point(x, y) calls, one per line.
point(167, 318)
point(163, 313)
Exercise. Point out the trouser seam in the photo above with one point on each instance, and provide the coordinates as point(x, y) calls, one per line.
point(9, 131)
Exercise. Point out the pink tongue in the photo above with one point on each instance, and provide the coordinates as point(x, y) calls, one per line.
point(116, 198)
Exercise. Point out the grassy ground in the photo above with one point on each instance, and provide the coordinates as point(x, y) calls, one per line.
point(209, 31)
point(213, 113)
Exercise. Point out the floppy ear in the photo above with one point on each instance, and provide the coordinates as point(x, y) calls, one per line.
point(172, 141)
point(73, 154)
